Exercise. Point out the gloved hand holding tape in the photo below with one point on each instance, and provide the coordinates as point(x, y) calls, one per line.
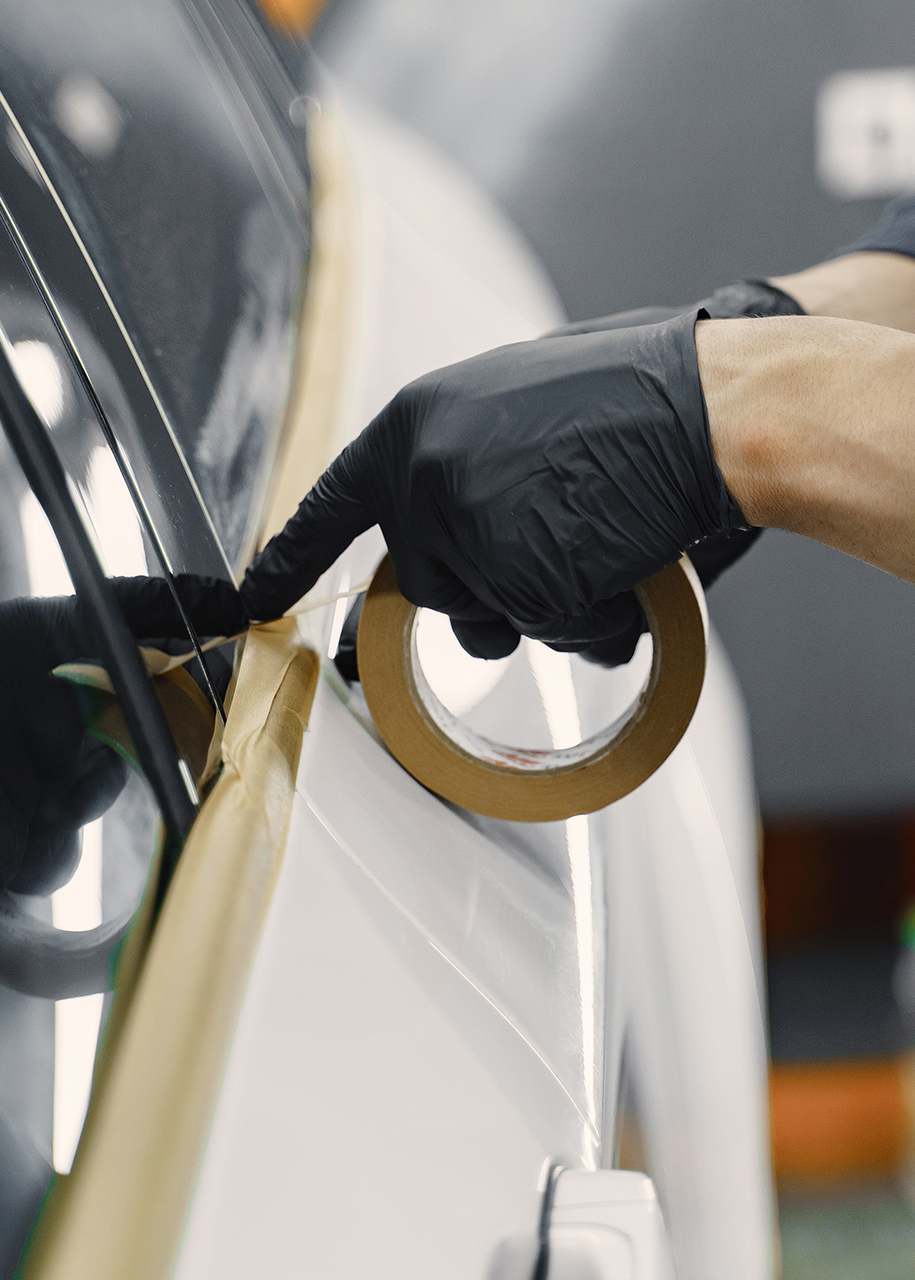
point(539, 489)
point(518, 784)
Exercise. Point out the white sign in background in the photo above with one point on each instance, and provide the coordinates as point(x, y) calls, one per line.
point(865, 125)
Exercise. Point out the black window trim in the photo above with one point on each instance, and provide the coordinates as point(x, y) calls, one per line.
point(38, 280)
point(43, 470)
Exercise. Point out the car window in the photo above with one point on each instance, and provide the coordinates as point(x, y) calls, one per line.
point(163, 143)
point(153, 239)
point(81, 794)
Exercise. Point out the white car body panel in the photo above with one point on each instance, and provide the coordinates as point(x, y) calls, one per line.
point(439, 1002)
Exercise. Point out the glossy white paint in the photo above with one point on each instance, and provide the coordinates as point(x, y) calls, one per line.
point(684, 935)
point(440, 1001)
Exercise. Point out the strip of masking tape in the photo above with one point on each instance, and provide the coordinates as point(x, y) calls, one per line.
point(188, 713)
point(517, 784)
point(119, 1215)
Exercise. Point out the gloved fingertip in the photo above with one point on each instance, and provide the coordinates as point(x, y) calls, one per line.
point(615, 652)
point(489, 640)
point(260, 604)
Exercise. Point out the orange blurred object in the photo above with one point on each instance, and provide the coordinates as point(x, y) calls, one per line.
point(295, 16)
point(837, 1120)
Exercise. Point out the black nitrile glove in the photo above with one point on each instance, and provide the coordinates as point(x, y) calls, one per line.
point(748, 299)
point(54, 777)
point(213, 606)
point(894, 233)
point(711, 556)
point(522, 491)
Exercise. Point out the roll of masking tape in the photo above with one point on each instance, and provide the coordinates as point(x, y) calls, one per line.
point(518, 784)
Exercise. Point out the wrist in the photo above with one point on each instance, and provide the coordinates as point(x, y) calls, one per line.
point(749, 383)
point(874, 286)
point(811, 422)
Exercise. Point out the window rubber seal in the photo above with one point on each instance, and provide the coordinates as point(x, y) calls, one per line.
point(38, 458)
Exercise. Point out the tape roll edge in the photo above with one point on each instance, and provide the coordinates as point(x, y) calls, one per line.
point(675, 610)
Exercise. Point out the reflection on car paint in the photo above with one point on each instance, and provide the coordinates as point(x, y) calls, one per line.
point(154, 191)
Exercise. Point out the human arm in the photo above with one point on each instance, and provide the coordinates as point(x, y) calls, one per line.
point(812, 422)
point(872, 281)
point(712, 555)
point(876, 287)
point(522, 491)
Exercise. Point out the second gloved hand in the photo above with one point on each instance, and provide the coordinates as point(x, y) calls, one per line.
point(54, 776)
point(522, 491)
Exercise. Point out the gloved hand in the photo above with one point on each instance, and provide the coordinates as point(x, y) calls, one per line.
point(212, 604)
point(743, 298)
point(524, 490)
point(711, 556)
point(893, 233)
point(54, 777)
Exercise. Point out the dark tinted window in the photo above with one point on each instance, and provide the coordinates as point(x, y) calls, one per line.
point(159, 136)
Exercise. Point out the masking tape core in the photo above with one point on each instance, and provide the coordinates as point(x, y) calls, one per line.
point(518, 784)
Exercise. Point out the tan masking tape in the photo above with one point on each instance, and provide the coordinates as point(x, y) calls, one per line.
point(533, 786)
point(189, 715)
point(119, 1215)
point(314, 430)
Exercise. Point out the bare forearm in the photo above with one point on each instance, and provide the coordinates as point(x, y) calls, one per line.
point(878, 288)
point(813, 427)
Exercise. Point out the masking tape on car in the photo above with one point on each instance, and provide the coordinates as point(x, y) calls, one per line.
point(522, 785)
point(120, 1214)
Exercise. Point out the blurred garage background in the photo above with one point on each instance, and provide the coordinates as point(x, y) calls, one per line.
point(652, 150)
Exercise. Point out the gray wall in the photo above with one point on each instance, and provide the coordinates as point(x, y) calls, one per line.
point(651, 150)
